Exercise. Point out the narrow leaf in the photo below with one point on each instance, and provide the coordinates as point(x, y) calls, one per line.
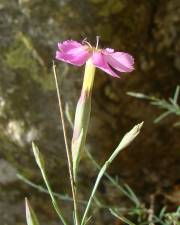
point(76, 154)
point(122, 218)
point(40, 162)
point(176, 94)
point(30, 214)
point(38, 156)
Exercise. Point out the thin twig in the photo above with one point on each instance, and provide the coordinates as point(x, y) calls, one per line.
point(68, 152)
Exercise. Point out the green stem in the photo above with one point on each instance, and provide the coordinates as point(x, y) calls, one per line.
point(68, 152)
point(54, 202)
point(100, 175)
point(127, 139)
point(133, 197)
point(44, 190)
point(66, 198)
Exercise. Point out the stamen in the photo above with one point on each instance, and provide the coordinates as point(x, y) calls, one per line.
point(86, 42)
point(97, 41)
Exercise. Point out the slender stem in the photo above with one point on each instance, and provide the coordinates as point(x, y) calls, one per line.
point(68, 152)
point(40, 188)
point(65, 197)
point(126, 140)
point(100, 175)
point(113, 181)
point(54, 202)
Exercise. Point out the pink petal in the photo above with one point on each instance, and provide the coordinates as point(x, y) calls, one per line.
point(72, 52)
point(120, 61)
point(65, 46)
point(100, 62)
point(109, 50)
point(77, 60)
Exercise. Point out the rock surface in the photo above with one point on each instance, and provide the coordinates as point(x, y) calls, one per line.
point(29, 32)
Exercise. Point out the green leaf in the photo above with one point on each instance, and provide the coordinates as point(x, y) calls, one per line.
point(40, 162)
point(30, 215)
point(122, 218)
point(38, 156)
point(77, 154)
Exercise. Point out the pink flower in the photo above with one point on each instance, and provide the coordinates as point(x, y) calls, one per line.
point(107, 60)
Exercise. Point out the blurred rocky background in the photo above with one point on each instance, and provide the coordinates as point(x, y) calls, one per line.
point(29, 32)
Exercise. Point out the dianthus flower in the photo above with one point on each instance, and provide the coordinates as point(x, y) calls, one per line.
point(106, 59)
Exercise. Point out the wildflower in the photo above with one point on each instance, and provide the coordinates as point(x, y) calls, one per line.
point(107, 59)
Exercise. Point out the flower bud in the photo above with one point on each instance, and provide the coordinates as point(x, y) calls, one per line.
point(82, 115)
